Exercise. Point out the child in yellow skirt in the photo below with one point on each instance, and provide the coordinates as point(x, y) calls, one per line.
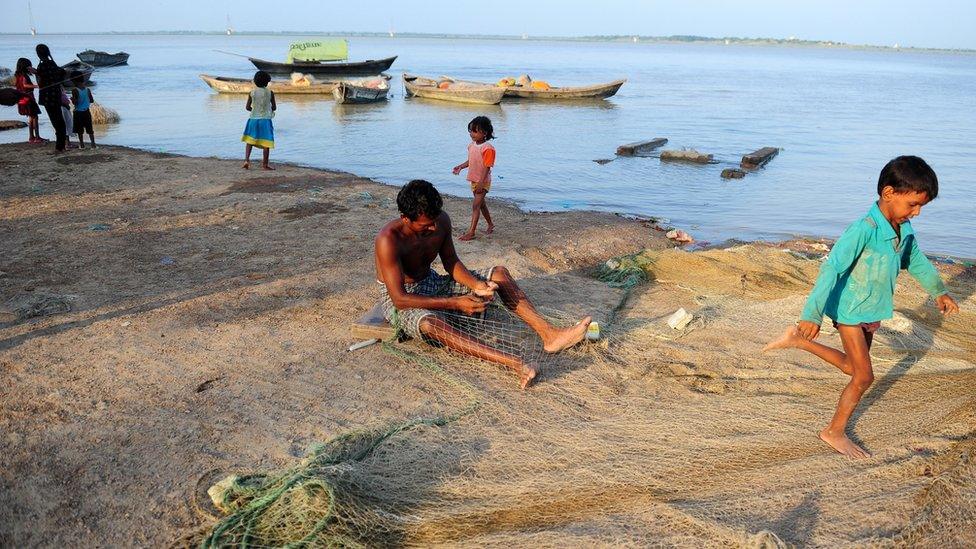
point(259, 132)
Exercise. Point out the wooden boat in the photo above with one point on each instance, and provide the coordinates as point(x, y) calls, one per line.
point(103, 59)
point(369, 91)
point(76, 66)
point(595, 91)
point(226, 84)
point(325, 68)
point(458, 92)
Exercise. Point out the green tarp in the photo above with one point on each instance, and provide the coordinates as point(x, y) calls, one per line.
point(336, 49)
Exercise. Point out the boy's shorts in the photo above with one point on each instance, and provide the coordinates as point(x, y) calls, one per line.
point(435, 285)
point(868, 327)
point(83, 122)
point(486, 186)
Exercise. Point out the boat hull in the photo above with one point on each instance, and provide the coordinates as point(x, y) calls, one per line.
point(347, 93)
point(103, 59)
point(361, 68)
point(474, 94)
point(223, 84)
point(596, 91)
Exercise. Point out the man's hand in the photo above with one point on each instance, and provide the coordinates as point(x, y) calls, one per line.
point(946, 304)
point(808, 330)
point(469, 304)
point(486, 290)
point(457, 169)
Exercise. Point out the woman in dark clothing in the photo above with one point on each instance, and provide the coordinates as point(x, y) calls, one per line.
point(49, 78)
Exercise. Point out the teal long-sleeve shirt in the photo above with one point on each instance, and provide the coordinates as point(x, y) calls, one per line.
point(857, 281)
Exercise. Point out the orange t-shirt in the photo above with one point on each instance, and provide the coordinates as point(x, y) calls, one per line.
point(480, 158)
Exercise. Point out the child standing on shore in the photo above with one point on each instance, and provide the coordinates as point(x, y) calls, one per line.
point(82, 97)
point(69, 125)
point(481, 158)
point(855, 287)
point(259, 132)
point(26, 105)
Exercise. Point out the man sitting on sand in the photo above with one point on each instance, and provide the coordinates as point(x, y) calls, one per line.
point(405, 249)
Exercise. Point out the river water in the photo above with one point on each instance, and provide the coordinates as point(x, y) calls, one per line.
point(837, 114)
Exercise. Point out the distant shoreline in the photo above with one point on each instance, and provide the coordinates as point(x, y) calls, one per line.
point(673, 39)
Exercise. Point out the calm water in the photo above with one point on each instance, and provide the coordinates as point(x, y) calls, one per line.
point(839, 115)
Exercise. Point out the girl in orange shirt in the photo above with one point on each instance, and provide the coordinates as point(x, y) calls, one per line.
point(481, 158)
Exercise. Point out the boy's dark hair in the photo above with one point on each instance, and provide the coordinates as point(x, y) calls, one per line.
point(78, 78)
point(909, 174)
point(261, 79)
point(22, 65)
point(419, 197)
point(484, 124)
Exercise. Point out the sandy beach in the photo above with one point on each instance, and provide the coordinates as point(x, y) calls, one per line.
point(166, 321)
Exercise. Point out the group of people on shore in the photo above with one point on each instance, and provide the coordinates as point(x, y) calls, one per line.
point(259, 132)
point(51, 95)
point(854, 289)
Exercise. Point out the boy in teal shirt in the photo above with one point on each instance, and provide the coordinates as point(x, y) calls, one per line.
point(856, 285)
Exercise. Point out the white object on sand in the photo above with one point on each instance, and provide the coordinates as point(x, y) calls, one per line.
point(593, 331)
point(680, 319)
point(363, 344)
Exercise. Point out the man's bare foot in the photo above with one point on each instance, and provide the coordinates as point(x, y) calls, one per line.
point(247, 165)
point(787, 340)
point(466, 236)
point(266, 167)
point(94, 146)
point(490, 229)
point(567, 337)
point(844, 445)
point(527, 375)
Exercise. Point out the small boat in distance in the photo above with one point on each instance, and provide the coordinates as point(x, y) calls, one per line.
point(325, 68)
point(103, 59)
point(593, 91)
point(458, 92)
point(366, 91)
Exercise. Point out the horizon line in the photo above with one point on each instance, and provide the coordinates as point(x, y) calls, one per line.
point(679, 38)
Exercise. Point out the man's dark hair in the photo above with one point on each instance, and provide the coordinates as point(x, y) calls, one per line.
point(909, 174)
point(419, 197)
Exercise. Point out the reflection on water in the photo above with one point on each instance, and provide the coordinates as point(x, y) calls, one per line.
point(838, 115)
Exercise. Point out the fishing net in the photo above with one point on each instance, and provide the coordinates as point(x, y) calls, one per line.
point(652, 436)
point(103, 115)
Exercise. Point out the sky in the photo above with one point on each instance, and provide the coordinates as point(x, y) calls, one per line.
point(935, 23)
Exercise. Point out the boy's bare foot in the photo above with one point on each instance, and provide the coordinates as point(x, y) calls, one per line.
point(844, 445)
point(466, 236)
point(490, 229)
point(266, 167)
point(567, 337)
point(527, 375)
point(93, 146)
point(247, 165)
point(788, 340)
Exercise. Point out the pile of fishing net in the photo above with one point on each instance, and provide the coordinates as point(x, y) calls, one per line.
point(103, 115)
point(652, 435)
point(302, 79)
